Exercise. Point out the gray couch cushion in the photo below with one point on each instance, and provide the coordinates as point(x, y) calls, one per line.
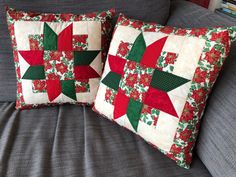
point(217, 139)
point(74, 141)
point(157, 11)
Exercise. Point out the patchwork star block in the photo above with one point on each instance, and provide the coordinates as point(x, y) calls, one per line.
point(58, 61)
point(157, 79)
point(137, 80)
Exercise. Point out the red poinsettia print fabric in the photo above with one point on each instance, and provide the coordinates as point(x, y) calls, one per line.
point(157, 80)
point(58, 57)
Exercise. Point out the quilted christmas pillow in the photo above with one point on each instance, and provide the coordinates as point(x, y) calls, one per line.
point(157, 79)
point(58, 57)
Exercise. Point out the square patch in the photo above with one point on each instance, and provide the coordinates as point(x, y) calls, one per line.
point(136, 80)
point(123, 49)
point(149, 115)
point(80, 42)
point(36, 41)
point(82, 86)
point(166, 61)
point(59, 65)
point(110, 95)
point(39, 86)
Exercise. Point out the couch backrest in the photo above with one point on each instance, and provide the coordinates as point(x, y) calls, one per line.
point(151, 10)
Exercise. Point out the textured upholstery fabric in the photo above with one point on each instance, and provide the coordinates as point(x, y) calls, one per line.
point(157, 11)
point(189, 15)
point(217, 139)
point(73, 141)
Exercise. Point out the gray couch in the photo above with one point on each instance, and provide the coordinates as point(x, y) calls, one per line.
point(72, 140)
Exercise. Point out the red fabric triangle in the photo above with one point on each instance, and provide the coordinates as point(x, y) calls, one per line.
point(65, 39)
point(53, 89)
point(153, 52)
point(120, 104)
point(160, 100)
point(116, 64)
point(33, 57)
point(85, 72)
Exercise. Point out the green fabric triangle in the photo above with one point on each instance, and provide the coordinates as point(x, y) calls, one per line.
point(85, 57)
point(34, 73)
point(112, 80)
point(49, 38)
point(166, 81)
point(137, 50)
point(68, 88)
point(133, 112)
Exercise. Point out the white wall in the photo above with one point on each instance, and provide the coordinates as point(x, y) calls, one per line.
point(214, 4)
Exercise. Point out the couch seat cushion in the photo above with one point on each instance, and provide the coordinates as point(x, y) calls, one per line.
point(72, 141)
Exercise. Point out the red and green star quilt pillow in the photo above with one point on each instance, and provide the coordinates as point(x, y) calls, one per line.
point(157, 79)
point(58, 57)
